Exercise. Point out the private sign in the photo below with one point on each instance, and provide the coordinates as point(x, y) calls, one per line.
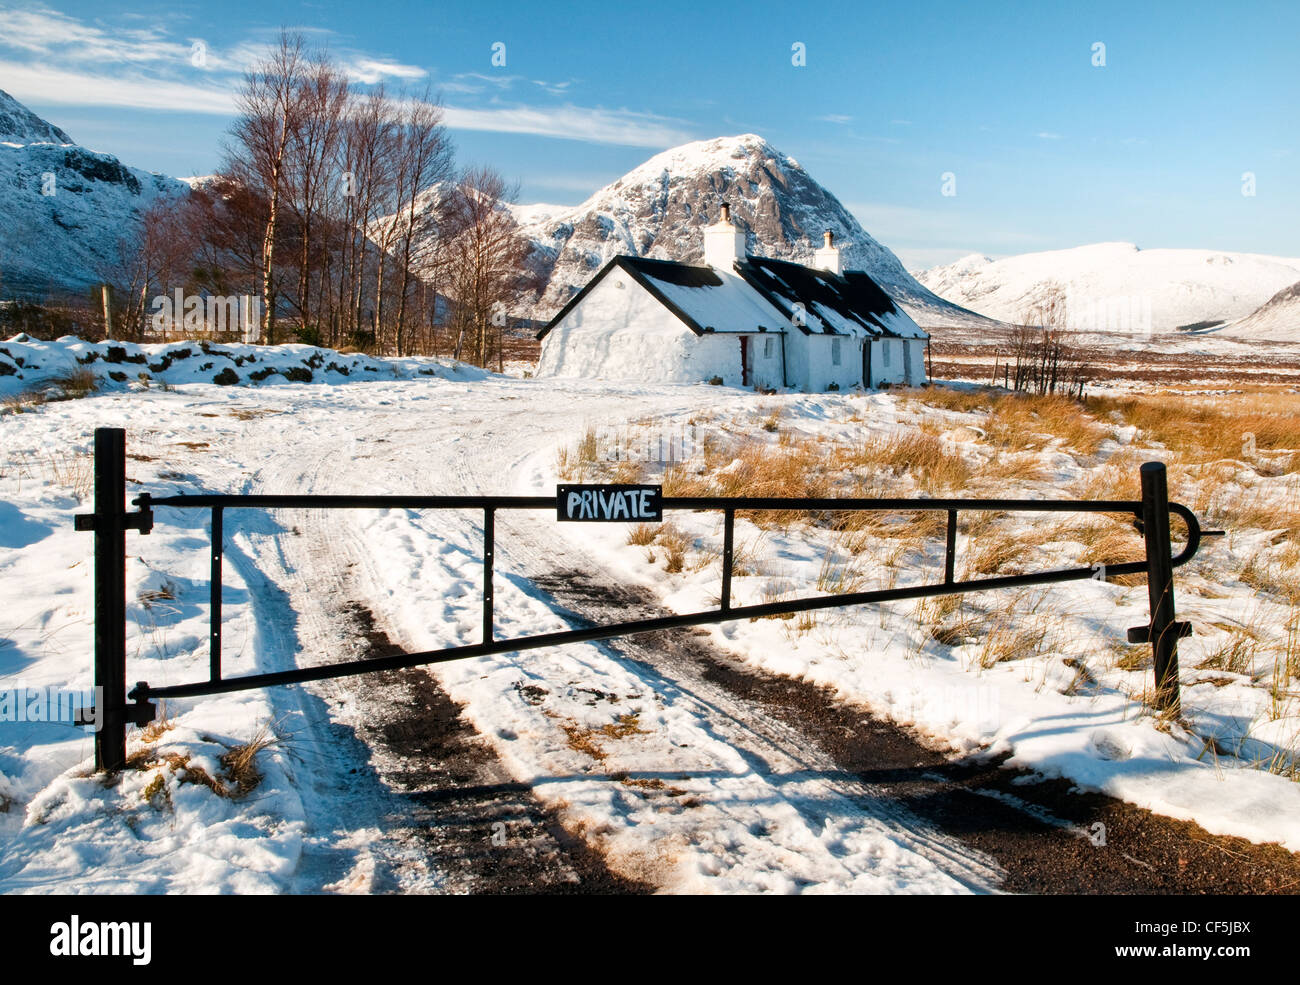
point(609, 503)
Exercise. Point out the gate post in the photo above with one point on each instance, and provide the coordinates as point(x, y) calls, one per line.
point(110, 596)
point(1164, 630)
point(110, 521)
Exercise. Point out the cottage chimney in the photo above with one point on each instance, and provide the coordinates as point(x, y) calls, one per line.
point(828, 257)
point(724, 244)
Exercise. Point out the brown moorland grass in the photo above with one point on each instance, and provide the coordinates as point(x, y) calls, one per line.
point(1029, 422)
point(999, 551)
point(931, 464)
point(1116, 544)
point(1235, 426)
point(964, 400)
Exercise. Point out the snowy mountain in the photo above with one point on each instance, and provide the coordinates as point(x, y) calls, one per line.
point(19, 125)
point(1278, 318)
point(1117, 286)
point(660, 209)
point(64, 209)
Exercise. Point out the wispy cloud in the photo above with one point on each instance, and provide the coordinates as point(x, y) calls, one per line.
point(1047, 135)
point(471, 83)
point(373, 70)
point(52, 53)
point(41, 31)
point(839, 118)
point(72, 88)
point(49, 57)
point(592, 125)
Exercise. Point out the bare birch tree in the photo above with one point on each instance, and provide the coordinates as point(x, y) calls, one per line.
point(269, 105)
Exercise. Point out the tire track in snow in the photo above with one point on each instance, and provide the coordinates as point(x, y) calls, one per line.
point(421, 815)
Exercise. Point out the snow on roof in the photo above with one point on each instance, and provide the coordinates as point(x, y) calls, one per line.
point(760, 295)
point(719, 303)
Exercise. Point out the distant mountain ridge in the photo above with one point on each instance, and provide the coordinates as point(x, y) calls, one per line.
point(1167, 289)
point(1277, 319)
point(65, 209)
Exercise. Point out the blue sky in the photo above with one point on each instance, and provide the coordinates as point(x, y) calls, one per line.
point(1047, 149)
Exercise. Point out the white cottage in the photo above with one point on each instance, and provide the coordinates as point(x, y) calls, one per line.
point(750, 321)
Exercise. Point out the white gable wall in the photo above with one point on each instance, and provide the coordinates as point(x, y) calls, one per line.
point(620, 331)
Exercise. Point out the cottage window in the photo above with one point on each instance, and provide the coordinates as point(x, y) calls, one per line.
point(885, 349)
point(767, 348)
point(835, 352)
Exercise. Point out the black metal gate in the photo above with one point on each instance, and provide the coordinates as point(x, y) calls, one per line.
point(110, 521)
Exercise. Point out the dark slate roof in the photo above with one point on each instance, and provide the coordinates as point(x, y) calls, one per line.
point(838, 303)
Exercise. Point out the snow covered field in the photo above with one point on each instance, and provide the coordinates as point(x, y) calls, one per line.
point(632, 761)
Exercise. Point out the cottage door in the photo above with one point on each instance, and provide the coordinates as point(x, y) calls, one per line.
point(746, 362)
point(866, 364)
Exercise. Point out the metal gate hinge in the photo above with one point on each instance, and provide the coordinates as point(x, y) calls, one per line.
point(142, 520)
point(139, 713)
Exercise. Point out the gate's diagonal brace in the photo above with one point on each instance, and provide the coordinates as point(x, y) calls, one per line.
point(400, 661)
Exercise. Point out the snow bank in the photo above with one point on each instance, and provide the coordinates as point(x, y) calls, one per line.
point(27, 364)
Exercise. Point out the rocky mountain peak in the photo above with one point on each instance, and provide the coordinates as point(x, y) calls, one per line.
point(659, 209)
point(19, 125)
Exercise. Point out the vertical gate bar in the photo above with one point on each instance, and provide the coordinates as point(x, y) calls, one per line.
point(949, 558)
point(1160, 583)
point(728, 548)
point(214, 638)
point(489, 547)
point(110, 596)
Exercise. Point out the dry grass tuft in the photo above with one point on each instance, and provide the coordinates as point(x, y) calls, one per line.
point(964, 400)
point(945, 619)
point(1119, 478)
point(581, 461)
point(642, 534)
point(998, 552)
point(1115, 544)
point(79, 383)
point(1236, 654)
point(840, 573)
point(676, 543)
point(1014, 636)
point(1262, 430)
point(73, 470)
point(1022, 467)
point(1268, 576)
point(240, 762)
point(932, 466)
